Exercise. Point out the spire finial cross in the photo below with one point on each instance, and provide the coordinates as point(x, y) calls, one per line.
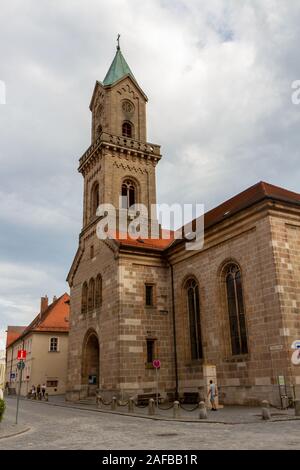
point(118, 41)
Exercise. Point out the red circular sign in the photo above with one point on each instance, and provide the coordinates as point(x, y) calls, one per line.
point(156, 363)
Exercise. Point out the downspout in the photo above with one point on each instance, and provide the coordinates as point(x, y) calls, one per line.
point(174, 333)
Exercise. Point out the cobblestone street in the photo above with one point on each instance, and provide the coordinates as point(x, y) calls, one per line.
point(58, 427)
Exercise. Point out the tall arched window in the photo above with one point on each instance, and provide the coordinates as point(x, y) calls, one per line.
point(98, 291)
point(91, 295)
point(193, 303)
point(84, 297)
point(128, 194)
point(127, 129)
point(236, 311)
point(94, 199)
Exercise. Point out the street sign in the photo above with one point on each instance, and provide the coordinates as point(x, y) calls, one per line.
point(156, 363)
point(21, 365)
point(21, 354)
point(12, 375)
point(296, 344)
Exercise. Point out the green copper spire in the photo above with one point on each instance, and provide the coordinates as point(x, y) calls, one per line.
point(118, 69)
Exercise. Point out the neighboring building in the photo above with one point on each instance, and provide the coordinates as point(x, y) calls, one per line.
point(2, 370)
point(229, 311)
point(46, 343)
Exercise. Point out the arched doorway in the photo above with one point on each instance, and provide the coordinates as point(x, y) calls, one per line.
point(90, 363)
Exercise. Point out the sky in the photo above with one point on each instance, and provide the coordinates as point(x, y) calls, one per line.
point(218, 75)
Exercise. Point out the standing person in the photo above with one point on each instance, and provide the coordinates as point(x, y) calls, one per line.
point(43, 390)
point(33, 391)
point(38, 391)
point(212, 393)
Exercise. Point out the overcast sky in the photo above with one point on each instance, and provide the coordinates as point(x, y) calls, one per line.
point(218, 75)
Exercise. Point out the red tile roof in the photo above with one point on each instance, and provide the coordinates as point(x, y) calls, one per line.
point(13, 333)
point(54, 318)
point(238, 203)
point(247, 198)
point(166, 238)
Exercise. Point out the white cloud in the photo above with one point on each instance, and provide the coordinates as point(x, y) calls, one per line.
point(218, 75)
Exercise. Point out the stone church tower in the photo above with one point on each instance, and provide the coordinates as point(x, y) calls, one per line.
point(109, 335)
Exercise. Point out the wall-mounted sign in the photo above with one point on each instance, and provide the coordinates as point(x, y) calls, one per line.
point(276, 347)
point(281, 380)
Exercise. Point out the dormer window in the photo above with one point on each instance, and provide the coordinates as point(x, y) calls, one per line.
point(127, 129)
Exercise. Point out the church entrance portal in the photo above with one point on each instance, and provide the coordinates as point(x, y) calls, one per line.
point(90, 364)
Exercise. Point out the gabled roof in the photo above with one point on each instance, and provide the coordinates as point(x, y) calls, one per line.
point(13, 333)
point(54, 319)
point(247, 198)
point(118, 69)
point(253, 195)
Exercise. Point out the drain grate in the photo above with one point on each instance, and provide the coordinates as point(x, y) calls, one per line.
point(170, 434)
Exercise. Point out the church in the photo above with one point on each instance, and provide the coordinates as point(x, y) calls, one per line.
point(228, 312)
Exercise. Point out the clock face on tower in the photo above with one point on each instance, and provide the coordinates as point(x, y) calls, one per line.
point(128, 107)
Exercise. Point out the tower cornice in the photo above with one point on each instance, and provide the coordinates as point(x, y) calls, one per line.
point(120, 145)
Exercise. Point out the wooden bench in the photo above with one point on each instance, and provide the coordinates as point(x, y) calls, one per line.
point(190, 398)
point(143, 399)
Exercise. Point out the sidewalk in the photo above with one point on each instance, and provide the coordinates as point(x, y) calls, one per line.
point(226, 415)
point(8, 429)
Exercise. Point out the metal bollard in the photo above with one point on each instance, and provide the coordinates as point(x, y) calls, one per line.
point(176, 409)
point(99, 401)
point(265, 410)
point(297, 407)
point(203, 410)
point(46, 397)
point(130, 405)
point(114, 403)
point(151, 407)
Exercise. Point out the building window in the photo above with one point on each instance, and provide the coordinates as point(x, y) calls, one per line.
point(127, 129)
point(194, 319)
point(149, 295)
point(52, 383)
point(91, 295)
point(98, 291)
point(53, 345)
point(128, 194)
point(84, 297)
point(95, 199)
point(92, 251)
point(150, 350)
point(236, 311)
